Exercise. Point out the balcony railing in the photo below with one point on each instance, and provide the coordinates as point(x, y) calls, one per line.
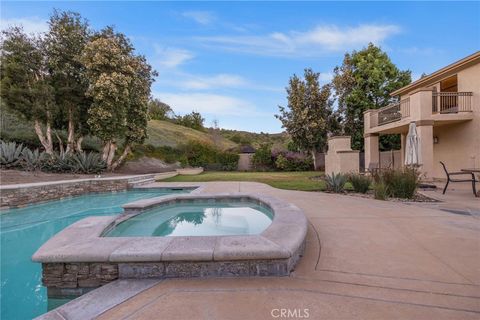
point(393, 112)
point(451, 102)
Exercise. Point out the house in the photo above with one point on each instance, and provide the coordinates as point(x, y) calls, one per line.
point(445, 106)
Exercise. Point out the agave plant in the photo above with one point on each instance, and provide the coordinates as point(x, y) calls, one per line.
point(89, 162)
point(60, 162)
point(335, 182)
point(32, 160)
point(10, 154)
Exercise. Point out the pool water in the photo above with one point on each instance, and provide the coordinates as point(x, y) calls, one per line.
point(197, 219)
point(24, 230)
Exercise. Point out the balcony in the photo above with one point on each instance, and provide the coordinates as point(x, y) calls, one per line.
point(391, 113)
point(451, 102)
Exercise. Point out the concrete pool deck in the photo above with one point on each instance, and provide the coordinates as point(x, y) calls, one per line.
point(364, 259)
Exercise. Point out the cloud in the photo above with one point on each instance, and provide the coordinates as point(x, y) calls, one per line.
point(201, 17)
point(326, 77)
point(171, 57)
point(319, 40)
point(207, 103)
point(29, 24)
point(215, 81)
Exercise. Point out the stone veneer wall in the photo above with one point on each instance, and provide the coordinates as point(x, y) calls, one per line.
point(77, 278)
point(17, 196)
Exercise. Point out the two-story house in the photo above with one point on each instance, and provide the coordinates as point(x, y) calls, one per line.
point(445, 106)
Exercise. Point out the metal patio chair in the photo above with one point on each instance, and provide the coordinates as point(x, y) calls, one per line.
point(449, 179)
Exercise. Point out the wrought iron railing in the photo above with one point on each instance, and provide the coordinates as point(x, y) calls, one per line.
point(393, 112)
point(451, 102)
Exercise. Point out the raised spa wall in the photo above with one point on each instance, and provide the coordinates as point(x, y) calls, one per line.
point(79, 259)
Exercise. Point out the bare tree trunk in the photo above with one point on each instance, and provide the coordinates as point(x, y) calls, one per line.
point(314, 158)
point(60, 143)
point(121, 158)
point(71, 132)
point(79, 144)
point(111, 154)
point(106, 151)
point(45, 140)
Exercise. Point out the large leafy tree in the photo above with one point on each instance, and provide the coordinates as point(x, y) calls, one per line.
point(64, 42)
point(25, 82)
point(159, 110)
point(364, 81)
point(119, 86)
point(309, 116)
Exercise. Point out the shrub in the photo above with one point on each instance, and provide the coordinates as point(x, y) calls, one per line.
point(360, 183)
point(32, 160)
point(380, 190)
point(281, 162)
point(89, 163)
point(262, 159)
point(335, 182)
point(293, 161)
point(403, 183)
point(400, 183)
point(228, 161)
point(59, 162)
point(10, 154)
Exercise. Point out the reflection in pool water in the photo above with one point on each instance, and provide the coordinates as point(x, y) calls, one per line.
point(197, 219)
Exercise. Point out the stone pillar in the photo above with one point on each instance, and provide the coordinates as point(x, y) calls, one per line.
point(425, 134)
point(372, 155)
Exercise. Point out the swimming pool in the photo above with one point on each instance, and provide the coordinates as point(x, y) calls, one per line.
point(197, 219)
point(24, 230)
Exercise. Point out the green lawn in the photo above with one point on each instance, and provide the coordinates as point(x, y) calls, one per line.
point(282, 180)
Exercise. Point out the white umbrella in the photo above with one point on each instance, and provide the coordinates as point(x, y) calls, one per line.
point(412, 154)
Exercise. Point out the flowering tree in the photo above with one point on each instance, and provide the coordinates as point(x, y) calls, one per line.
point(119, 88)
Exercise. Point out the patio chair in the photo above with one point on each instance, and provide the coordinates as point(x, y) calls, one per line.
point(449, 179)
point(373, 168)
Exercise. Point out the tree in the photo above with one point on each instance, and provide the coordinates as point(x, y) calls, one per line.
point(309, 117)
point(67, 36)
point(159, 110)
point(192, 120)
point(25, 82)
point(119, 88)
point(364, 81)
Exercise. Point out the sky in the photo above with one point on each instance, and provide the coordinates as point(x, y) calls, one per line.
point(231, 61)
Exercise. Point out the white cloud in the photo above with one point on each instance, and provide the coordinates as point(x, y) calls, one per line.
point(317, 41)
point(326, 77)
point(29, 24)
point(215, 81)
point(202, 17)
point(171, 57)
point(207, 103)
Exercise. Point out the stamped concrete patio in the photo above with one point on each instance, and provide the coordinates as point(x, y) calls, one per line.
point(365, 259)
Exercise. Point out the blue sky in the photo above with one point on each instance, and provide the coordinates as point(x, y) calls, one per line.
point(231, 61)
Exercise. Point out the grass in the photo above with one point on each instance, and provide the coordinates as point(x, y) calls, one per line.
point(282, 180)
point(164, 133)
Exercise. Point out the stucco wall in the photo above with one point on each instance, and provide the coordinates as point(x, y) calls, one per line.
point(245, 162)
point(340, 158)
point(459, 144)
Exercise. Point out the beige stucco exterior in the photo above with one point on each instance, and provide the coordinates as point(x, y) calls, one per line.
point(448, 122)
point(340, 158)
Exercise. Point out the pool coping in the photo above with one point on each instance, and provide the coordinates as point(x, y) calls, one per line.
point(82, 241)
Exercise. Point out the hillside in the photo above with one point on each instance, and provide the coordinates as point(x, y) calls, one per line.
point(161, 133)
point(278, 141)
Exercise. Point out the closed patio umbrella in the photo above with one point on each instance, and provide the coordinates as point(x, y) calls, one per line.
point(412, 154)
